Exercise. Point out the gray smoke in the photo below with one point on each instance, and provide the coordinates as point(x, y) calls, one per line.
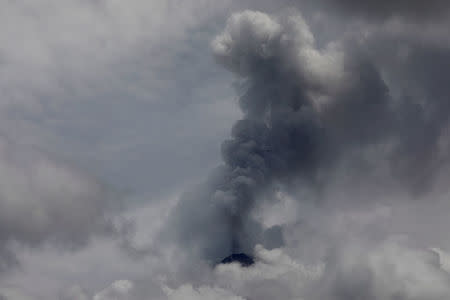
point(306, 110)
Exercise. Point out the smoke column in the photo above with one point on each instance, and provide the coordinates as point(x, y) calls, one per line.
point(305, 109)
point(279, 134)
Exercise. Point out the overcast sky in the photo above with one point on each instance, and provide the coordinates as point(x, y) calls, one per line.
point(141, 142)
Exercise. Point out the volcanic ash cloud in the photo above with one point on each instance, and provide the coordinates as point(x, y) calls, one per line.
point(306, 109)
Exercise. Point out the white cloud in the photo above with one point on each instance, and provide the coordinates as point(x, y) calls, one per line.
point(118, 290)
point(444, 258)
point(187, 292)
point(392, 269)
point(51, 48)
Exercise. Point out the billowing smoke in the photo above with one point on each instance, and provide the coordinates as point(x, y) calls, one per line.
point(308, 111)
point(279, 137)
point(305, 109)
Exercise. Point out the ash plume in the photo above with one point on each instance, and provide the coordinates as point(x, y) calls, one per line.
point(307, 109)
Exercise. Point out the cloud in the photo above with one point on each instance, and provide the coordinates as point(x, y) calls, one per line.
point(98, 97)
point(415, 9)
point(62, 56)
point(70, 75)
point(118, 290)
point(57, 77)
point(444, 259)
point(74, 293)
point(45, 200)
point(13, 294)
point(390, 270)
point(187, 292)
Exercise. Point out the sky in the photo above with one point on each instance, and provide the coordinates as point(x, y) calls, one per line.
point(141, 142)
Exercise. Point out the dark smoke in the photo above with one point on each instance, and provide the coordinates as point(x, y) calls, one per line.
point(243, 259)
point(306, 109)
point(279, 136)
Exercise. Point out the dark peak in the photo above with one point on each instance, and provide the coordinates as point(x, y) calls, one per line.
point(243, 259)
